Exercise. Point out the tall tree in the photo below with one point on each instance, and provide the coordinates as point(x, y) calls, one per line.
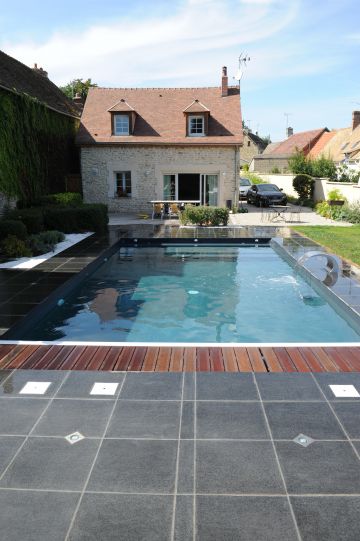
point(77, 86)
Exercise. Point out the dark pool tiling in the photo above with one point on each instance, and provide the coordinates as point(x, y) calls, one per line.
point(191, 457)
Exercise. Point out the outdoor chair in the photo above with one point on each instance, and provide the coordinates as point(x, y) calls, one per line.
point(173, 211)
point(158, 210)
point(294, 214)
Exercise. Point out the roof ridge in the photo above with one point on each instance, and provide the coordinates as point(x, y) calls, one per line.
point(157, 87)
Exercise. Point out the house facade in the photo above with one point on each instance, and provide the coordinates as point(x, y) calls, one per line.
point(144, 144)
point(253, 145)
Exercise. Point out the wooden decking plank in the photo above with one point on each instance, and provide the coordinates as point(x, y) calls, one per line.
point(36, 357)
point(45, 357)
point(242, 358)
point(271, 360)
point(150, 360)
point(338, 359)
point(72, 358)
point(190, 359)
point(163, 361)
point(6, 361)
point(86, 357)
point(5, 350)
point(98, 359)
point(350, 357)
point(298, 360)
point(230, 362)
point(137, 359)
point(285, 359)
point(111, 358)
point(124, 358)
point(203, 360)
point(256, 360)
point(327, 363)
point(216, 360)
point(313, 362)
point(177, 359)
point(62, 355)
point(23, 355)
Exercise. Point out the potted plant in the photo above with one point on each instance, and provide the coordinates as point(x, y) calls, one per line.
point(335, 198)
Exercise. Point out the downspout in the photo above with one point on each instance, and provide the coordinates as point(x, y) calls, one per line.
point(236, 196)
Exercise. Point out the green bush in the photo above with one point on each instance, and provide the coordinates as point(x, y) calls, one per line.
point(12, 248)
point(255, 179)
point(77, 219)
point(204, 216)
point(245, 167)
point(275, 171)
point(12, 227)
point(52, 237)
point(304, 185)
point(66, 199)
point(335, 195)
point(299, 164)
point(32, 218)
point(44, 242)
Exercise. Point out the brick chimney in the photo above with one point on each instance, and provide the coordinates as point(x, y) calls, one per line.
point(40, 71)
point(224, 82)
point(355, 119)
point(290, 131)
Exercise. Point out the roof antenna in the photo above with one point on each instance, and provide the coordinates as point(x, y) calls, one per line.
point(243, 59)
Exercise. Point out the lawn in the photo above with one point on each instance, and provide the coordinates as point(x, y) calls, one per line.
point(343, 241)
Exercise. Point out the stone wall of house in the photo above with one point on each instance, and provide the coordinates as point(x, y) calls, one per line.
point(248, 150)
point(148, 164)
point(266, 164)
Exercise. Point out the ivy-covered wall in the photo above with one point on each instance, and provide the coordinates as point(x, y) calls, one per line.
point(37, 147)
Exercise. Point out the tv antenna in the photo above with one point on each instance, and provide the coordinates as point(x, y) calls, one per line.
point(287, 121)
point(243, 60)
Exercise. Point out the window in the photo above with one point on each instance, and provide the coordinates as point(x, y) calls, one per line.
point(123, 184)
point(196, 126)
point(121, 125)
point(169, 187)
point(249, 143)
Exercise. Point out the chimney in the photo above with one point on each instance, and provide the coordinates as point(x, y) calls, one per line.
point(224, 82)
point(290, 131)
point(355, 119)
point(40, 71)
point(78, 99)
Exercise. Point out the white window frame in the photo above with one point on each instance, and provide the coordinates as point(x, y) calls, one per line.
point(124, 132)
point(123, 183)
point(196, 117)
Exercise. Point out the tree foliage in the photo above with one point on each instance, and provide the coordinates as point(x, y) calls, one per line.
point(77, 86)
point(299, 164)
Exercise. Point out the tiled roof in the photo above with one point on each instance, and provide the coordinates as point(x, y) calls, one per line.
point(338, 144)
point(121, 107)
point(196, 107)
point(299, 141)
point(160, 116)
point(256, 139)
point(15, 76)
point(319, 148)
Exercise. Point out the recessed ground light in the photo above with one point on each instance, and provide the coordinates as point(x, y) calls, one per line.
point(193, 292)
point(74, 437)
point(344, 391)
point(303, 440)
point(107, 389)
point(35, 387)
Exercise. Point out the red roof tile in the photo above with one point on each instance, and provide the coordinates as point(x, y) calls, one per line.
point(304, 141)
point(318, 149)
point(160, 116)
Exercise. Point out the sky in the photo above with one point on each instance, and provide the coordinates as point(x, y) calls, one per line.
point(304, 67)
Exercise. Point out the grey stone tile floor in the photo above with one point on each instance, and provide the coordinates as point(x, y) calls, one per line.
point(178, 457)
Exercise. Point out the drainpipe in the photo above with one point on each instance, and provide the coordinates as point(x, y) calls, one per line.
point(236, 196)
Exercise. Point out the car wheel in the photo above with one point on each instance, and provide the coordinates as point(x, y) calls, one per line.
point(248, 201)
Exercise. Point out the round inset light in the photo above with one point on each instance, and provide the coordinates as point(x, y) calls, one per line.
point(193, 292)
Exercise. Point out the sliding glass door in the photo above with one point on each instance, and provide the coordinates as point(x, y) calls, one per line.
point(191, 187)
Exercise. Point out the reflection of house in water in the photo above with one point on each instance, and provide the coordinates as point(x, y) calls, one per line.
point(110, 304)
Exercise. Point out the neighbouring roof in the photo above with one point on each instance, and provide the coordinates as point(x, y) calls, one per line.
point(271, 147)
point(160, 116)
point(16, 77)
point(304, 141)
point(319, 148)
point(258, 141)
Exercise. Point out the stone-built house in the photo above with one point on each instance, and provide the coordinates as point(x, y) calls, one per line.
point(276, 155)
point(343, 147)
point(37, 132)
point(145, 144)
point(253, 145)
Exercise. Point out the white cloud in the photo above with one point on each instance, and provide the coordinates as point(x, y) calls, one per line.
point(185, 48)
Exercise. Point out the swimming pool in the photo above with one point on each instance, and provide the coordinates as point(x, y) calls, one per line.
point(197, 294)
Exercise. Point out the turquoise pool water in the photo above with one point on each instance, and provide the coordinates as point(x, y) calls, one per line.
point(195, 294)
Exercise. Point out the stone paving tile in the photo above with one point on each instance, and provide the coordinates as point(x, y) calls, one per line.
point(80, 383)
point(244, 519)
point(8, 447)
point(18, 415)
point(349, 415)
point(147, 386)
point(19, 378)
point(330, 519)
point(111, 517)
point(215, 386)
point(35, 516)
point(287, 387)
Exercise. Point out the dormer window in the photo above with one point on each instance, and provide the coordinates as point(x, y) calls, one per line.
point(196, 126)
point(121, 124)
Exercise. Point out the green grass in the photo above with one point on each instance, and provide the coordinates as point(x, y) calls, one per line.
point(342, 241)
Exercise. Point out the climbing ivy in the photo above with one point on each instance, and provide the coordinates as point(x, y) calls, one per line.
point(37, 147)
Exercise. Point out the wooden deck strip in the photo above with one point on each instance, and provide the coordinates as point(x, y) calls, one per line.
point(179, 359)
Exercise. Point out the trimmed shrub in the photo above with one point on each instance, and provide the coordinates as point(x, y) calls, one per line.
point(204, 216)
point(66, 199)
point(77, 219)
point(304, 185)
point(52, 237)
point(31, 217)
point(44, 242)
point(12, 248)
point(12, 227)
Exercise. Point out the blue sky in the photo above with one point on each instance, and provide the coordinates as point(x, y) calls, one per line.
point(304, 54)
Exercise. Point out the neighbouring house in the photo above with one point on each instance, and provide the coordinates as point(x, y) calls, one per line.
point(252, 146)
point(276, 156)
point(145, 144)
point(344, 145)
point(37, 132)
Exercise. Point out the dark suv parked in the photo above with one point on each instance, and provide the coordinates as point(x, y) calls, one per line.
point(263, 195)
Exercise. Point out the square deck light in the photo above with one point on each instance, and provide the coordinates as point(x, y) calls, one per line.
point(105, 389)
point(344, 391)
point(35, 387)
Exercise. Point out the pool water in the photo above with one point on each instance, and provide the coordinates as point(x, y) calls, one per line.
point(195, 294)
